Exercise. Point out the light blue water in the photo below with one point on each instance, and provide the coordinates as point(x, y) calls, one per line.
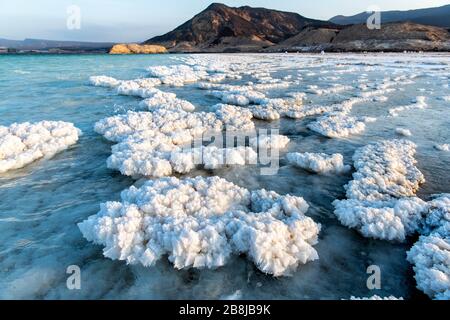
point(41, 204)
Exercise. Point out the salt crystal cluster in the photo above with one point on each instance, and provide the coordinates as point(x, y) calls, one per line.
point(420, 103)
point(442, 147)
point(319, 162)
point(273, 141)
point(201, 222)
point(104, 81)
point(159, 143)
point(337, 88)
point(143, 88)
point(381, 200)
point(337, 125)
point(24, 143)
point(168, 101)
point(177, 75)
point(430, 255)
point(403, 132)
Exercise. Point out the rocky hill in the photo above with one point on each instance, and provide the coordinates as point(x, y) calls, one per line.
point(391, 37)
point(221, 28)
point(439, 17)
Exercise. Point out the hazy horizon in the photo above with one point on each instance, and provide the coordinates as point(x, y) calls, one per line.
point(115, 21)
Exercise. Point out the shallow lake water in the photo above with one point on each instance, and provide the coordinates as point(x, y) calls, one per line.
point(41, 204)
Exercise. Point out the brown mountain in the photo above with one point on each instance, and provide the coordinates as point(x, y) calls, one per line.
point(438, 17)
point(221, 28)
point(391, 37)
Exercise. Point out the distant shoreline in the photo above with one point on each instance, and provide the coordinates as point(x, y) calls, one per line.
point(227, 53)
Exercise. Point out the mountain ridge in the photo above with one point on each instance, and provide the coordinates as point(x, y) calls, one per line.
point(220, 26)
point(437, 16)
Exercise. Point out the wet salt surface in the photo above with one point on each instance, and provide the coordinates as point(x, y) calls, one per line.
point(42, 203)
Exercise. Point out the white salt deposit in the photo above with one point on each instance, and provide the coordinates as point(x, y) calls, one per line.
point(168, 101)
point(420, 103)
point(337, 88)
point(319, 162)
point(430, 255)
point(403, 132)
point(212, 158)
point(385, 170)
point(241, 96)
point(381, 200)
point(24, 143)
point(143, 88)
point(266, 113)
point(234, 118)
point(273, 141)
point(201, 222)
point(442, 147)
point(337, 125)
point(104, 81)
point(151, 143)
point(177, 75)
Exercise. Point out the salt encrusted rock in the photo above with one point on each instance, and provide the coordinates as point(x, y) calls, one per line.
point(177, 75)
point(337, 125)
point(181, 126)
point(151, 144)
point(153, 154)
point(212, 157)
point(24, 143)
point(118, 128)
point(239, 96)
point(200, 222)
point(265, 113)
point(385, 170)
point(273, 141)
point(274, 109)
point(420, 103)
point(381, 200)
point(333, 89)
point(234, 118)
point(430, 255)
point(319, 162)
point(143, 88)
point(403, 132)
point(385, 220)
point(168, 101)
point(442, 147)
point(438, 213)
point(104, 81)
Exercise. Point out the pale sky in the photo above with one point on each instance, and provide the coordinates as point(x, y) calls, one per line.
point(139, 20)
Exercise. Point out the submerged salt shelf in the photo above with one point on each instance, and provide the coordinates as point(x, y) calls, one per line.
point(149, 114)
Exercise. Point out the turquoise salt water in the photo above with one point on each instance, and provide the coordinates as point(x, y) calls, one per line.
point(41, 204)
